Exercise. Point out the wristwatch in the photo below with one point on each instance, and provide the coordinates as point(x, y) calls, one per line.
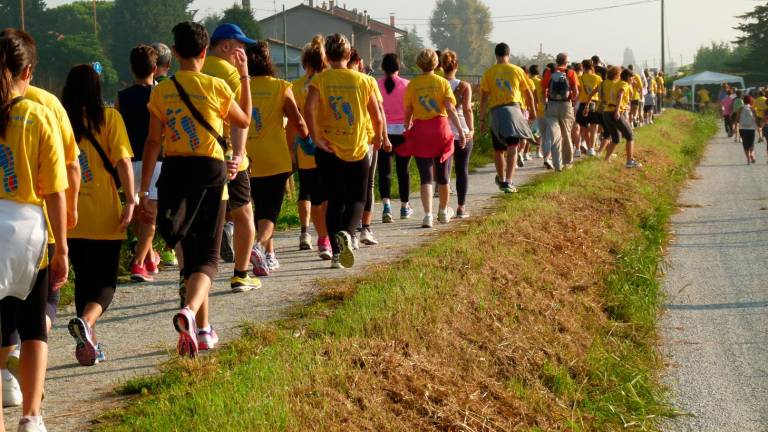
point(143, 194)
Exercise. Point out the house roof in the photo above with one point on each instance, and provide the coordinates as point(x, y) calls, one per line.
point(379, 23)
point(328, 13)
point(280, 42)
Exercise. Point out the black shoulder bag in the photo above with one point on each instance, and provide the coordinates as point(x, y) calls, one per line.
point(104, 158)
point(198, 116)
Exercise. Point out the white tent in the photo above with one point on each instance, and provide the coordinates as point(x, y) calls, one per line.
point(705, 78)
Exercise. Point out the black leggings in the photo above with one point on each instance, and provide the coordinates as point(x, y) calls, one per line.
point(427, 166)
point(461, 157)
point(347, 183)
point(617, 128)
point(311, 187)
point(25, 319)
point(373, 157)
point(267, 194)
point(384, 167)
point(95, 264)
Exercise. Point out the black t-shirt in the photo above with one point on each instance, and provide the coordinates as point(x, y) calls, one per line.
point(133, 107)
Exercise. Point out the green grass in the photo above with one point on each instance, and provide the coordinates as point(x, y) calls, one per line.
point(466, 329)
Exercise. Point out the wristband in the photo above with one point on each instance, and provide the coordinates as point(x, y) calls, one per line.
point(143, 194)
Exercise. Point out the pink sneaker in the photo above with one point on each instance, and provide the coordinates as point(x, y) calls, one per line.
point(324, 248)
point(184, 322)
point(140, 274)
point(85, 350)
point(152, 263)
point(259, 262)
point(207, 340)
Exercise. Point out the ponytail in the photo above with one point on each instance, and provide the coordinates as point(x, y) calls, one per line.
point(313, 55)
point(389, 84)
point(17, 52)
point(6, 90)
point(390, 64)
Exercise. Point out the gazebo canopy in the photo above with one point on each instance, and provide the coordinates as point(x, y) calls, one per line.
point(708, 77)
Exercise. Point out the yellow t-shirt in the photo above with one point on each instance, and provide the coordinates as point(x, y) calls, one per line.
point(539, 89)
point(31, 155)
point(99, 204)
point(266, 135)
point(637, 87)
point(611, 90)
point(426, 96)
point(184, 137)
point(505, 84)
point(523, 104)
point(761, 106)
point(300, 90)
point(220, 68)
point(377, 94)
point(344, 97)
point(660, 85)
point(703, 95)
point(589, 82)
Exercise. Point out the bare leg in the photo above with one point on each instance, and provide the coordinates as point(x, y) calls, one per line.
point(198, 286)
point(500, 160)
point(511, 163)
point(265, 232)
point(630, 150)
point(304, 213)
point(426, 198)
point(444, 194)
point(32, 365)
point(245, 233)
point(146, 233)
point(318, 218)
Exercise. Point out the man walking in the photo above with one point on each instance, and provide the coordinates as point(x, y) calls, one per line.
point(561, 89)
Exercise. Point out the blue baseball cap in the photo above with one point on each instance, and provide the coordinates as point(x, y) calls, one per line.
point(231, 31)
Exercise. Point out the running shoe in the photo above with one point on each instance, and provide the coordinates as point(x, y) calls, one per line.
point(227, 246)
point(244, 284)
point(85, 349)
point(367, 238)
point(577, 153)
point(139, 273)
point(31, 424)
point(539, 155)
point(406, 212)
point(272, 262)
point(305, 241)
point(11, 390)
point(509, 188)
point(101, 356)
point(462, 214)
point(498, 181)
point(259, 261)
point(591, 152)
point(355, 241)
point(168, 258)
point(151, 263)
point(207, 340)
point(445, 215)
point(184, 322)
point(548, 164)
point(324, 248)
point(520, 161)
point(634, 164)
point(335, 262)
point(386, 215)
point(427, 222)
point(346, 254)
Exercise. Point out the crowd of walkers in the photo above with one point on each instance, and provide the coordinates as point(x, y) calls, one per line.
point(202, 158)
point(745, 117)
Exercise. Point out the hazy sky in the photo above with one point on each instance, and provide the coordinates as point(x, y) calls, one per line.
point(690, 23)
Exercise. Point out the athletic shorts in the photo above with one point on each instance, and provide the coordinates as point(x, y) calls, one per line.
point(239, 191)
point(268, 194)
point(635, 103)
point(500, 146)
point(311, 187)
point(648, 108)
point(592, 117)
point(137, 170)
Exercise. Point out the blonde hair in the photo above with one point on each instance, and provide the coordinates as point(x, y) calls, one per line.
point(313, 54)
point(427, 60)
point(337, 47)
point(450, 61)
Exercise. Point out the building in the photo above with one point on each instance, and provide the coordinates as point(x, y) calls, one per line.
point(277, 50)
point(370, 37)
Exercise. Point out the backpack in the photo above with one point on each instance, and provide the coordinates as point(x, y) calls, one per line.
point(559, 89)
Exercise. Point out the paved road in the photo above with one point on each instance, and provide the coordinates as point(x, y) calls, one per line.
point(715, 326)
point(138, 335)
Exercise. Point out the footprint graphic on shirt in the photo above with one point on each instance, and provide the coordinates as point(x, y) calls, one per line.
point(347, 108)
point(423, 102)
point(10, 181)
point(86, 174)
point(189, 127)
point(172, 124)
point(334, 107)
point(434, 105)
point(257, 120)
point(508, 86)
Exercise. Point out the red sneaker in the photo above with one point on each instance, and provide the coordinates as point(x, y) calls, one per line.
point(152, 263)
point(140, 274)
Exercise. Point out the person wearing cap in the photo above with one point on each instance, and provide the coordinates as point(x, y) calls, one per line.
point(240, 232)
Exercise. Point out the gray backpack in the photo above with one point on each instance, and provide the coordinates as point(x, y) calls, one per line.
point(559, 89)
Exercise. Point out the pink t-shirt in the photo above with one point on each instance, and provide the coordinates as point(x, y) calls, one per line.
point(727, 104)
point(394, 107)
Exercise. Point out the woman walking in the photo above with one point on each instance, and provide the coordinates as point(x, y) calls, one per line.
point(429, 102)
point(94, 244)
point(272, 164)
point(462, 91)
point(392, 88)
point(336, 108)
point(747, 116)
point(617, 92)
point(35, 176)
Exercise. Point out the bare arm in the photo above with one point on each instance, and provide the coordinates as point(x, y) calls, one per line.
point(456, 123)
point(56, 207)
point(152, 148)
point(73, 191)
point(125, 172)
point(531, 102)
point(466, 107)
point(310, 109)
point(377, 119)
point(295, 120)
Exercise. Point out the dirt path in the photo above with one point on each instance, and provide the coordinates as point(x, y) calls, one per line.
point(715, 325)
point(138, 335)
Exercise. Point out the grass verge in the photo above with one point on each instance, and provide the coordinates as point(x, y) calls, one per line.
point(540, 316)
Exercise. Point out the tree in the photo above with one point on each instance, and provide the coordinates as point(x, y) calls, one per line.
point(718, 57)
point(244, 19)
point(145, 22)
point(754, 42)
point(629, 58)
point(34, 16)
point(408, 48)
point(211, 22)
point(463, 26)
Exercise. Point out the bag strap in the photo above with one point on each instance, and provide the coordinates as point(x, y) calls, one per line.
point(104, 158)
point(198, 116)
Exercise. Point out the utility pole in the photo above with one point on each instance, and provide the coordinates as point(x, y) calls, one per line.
point(285, 42)
point(95, 22)
point(21, 14)
point(663, 54)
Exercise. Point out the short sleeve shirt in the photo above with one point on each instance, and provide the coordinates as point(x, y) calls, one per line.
point(589, 82)
point(427, 94)
point(504, 84)
point(266, 136)
point(300, 89)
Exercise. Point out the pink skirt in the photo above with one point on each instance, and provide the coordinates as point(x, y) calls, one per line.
point(428, 139)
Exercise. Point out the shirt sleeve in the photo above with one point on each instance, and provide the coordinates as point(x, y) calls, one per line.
point(52, 176)
point(375, 89)
point(545, 80)
point(407, 100)
point(224, 98)
point(573, 79)
point(524, 83)
point(117, 138)
point(484, 85)
point(155, 104)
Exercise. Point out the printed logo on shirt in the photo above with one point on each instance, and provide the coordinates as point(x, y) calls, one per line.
point(257, 119)
point(430, 105)
point(339, 106)
point(10, 181)
point(187, 125)
point(503, 84)
point(86, 174)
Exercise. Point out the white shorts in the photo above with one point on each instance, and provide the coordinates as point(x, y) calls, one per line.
point(137, 165)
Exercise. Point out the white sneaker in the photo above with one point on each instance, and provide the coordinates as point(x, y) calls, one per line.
point(367, 238)
point(11, 390)
point(591, 152)
point(577, 153)
point(539, 155)
point(305, 241)
point(272, 262)
point(427, 221)
point(355, 242)
point(444, 216)
point(32, 424)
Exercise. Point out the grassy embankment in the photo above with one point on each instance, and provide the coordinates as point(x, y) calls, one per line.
point(540, 316)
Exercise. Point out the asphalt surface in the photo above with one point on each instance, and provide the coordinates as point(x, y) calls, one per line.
point(715, 324)
point(138, 335)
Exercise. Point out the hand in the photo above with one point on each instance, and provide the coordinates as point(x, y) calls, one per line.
point(616, 115)
point(462, 140)
point(377, 143)
point(72, 217)
point(148, 210)
point(585, 111)
point(58, 269)
point(469, 135)
point(127, 216)
point(323, 145)
point(483, 126)
point(233, 166)
point(241, 62)
point(387, 146)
